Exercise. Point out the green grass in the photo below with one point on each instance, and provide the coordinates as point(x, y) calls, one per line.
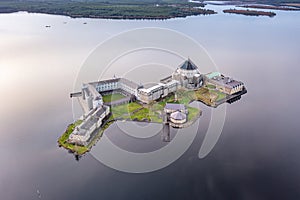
point(112, 97)
point(209, 86)
point(155, 111)
point(63, 139)
point(135, 111)
point(69, 130)
point(220, 95)
point(193, 113)
point(124, 110)
point(141, 114)
point(155, 117)
point(168, 99)
point(209, 96)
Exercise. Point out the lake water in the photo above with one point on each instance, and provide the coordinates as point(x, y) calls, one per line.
point(256, 156)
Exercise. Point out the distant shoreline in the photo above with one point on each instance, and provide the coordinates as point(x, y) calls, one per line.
point(250, 12)
point(109, 17)
point(271, 7)
point(135, 11)
point(104, 10)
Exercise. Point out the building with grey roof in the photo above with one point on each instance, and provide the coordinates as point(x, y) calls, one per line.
point(173, 107)
point(178, 117)
point(224, 84)
point(116, 83)
point(188, 75)
point(84, 131)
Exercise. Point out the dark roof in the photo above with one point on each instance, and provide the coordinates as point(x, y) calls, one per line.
point(188, 65)
point(174, 106)
point(226, 81)
point(232, 83)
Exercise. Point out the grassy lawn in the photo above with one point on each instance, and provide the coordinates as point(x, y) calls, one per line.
point(209, 86)
point(193, 113)
point(185, 97)
point(155, 111)
point(168, 99)
point(154, 116)
point(138, 112)
point(220, 95)
point(203, 94)
point(112, 97)
point(63, 139)
point(69, 130)
point(124, 111)
point(209, 96)
point(141, 114)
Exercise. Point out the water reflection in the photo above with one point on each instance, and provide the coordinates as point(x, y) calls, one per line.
point(165, 136)
point(256, 157)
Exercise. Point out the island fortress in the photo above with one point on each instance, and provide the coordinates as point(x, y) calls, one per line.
point(186, 77)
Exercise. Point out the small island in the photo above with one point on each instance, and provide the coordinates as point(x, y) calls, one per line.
point(250, 12)
point(167, 102)
point(272, 7)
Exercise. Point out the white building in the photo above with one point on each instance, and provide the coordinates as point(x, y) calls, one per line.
point(157, 91)
point(115, 84)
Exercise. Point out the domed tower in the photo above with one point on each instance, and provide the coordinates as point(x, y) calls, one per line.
point(188, 75)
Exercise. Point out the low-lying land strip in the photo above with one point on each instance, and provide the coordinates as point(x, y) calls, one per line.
point(250, 12)
point(293, 4)
point(107, 9)
point(271, 7)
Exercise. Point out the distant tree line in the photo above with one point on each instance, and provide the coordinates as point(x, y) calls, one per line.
point(144, 9)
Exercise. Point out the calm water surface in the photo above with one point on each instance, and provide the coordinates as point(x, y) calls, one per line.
point(256, 157)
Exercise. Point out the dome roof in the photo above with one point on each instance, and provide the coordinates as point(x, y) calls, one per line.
point(188, 65)
point(178, 115)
